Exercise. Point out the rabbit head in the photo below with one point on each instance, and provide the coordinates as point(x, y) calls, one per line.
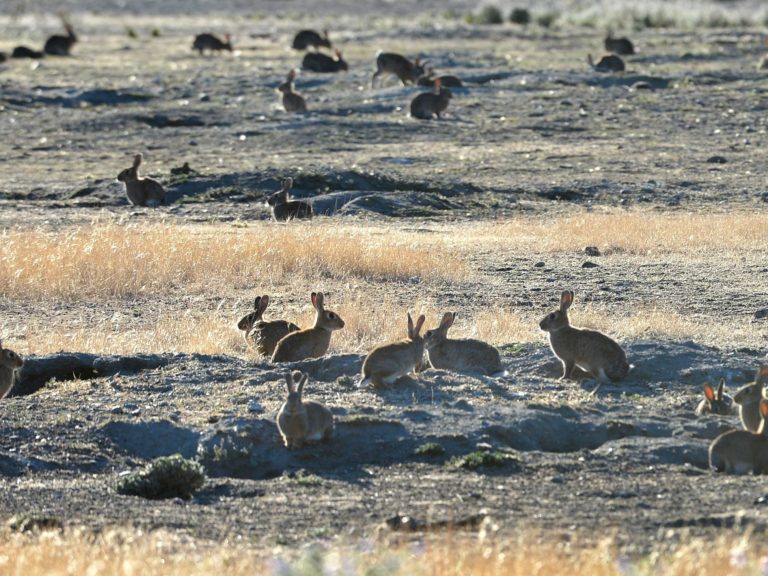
point(259, 306)
point(325, 318)
point(558, 319)
point(341, 63)
point(131, 173)
point(715, 402)
point(9, 358)
point(281, 197)
point(436, 335)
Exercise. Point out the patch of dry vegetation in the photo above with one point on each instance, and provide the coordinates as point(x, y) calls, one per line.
point(630, 232)
point(121, 261)
point(121, 553)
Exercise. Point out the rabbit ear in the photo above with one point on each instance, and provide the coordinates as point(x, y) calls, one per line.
point(291, 75)
point(137, 160)
point(228, 37)
point(410, 326)
point(256, 303)
point(338, 53)
point(448, 319)
point(720, 388)
point(325, 33)
point(289, 382)
point(417, 61)
point(1, 344)
point(317, 300)
point(762, 372)
point(709, 393)
point(566, 299)
point(303, 377)
point(419, 324)
point(438, 84)
point(764, 408)
point(263, 304)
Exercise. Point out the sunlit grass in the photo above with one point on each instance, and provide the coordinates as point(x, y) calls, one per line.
point(122, 553)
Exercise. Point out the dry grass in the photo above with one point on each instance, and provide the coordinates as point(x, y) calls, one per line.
point(121, 261)
point(632, 232)
point(120, 553)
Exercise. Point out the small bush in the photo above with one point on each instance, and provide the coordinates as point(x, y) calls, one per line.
point(520, 16)
point(481, 459)
point(165, 477)
point(430, 449)
point(488, 15)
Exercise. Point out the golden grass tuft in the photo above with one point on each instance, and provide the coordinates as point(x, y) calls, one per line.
point(120, 261)
point(122, 553)
point(631, 232)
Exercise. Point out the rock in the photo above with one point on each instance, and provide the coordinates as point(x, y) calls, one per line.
point(716, 160)
point(589, 264)
point(592, 251)
point(255, 407)
point(539, 265)
point(760, 314)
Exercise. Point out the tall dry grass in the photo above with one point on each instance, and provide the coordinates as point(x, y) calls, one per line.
point(632, 232)
point(121, 553)
point(112, 260)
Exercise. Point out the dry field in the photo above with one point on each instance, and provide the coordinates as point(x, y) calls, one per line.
point(127, 316)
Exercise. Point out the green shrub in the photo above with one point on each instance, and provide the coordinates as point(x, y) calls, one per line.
point(165, 477)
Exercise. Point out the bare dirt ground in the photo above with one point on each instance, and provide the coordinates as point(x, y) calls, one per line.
point(535, 134)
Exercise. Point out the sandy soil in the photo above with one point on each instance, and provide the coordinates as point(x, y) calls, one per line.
point(534, 132)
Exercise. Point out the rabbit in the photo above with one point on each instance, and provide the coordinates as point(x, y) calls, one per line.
point(622, 46)
point(211, 43)
point(716, 402)
point(742, 451)
point(748, 398)
point(60, 45)
point(25, 52)
point(306, 38)
point(590, 350)
point(292, 101)
point(10, 362)
point(385, 364)
point(446, 80)
point(427, 105)
point(284, 209)
point(302, 421)
point(310, 342)
point(609, 63)
point(460, 355)
point(264, 335)
point(318, 62)
point(400, 66)
point(141, 191)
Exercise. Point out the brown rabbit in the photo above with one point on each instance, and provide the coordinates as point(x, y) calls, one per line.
point(310, 342)
point(264, 335)
point(467, 355)
point(319, 62)
point(301, 421)
point(292, 101)
point(748, 398)
point(60, 45)
point(609, 63)
point(400, 66)
point(387, 363)
point(741, 451)
point(427, 105)
point(306, 38)
point(446, 80)
point(716, 402)
point(141, 191)
point(621, 46)
point(211, 43)
point(10, 362)
point(590, 350)
point(284, 209)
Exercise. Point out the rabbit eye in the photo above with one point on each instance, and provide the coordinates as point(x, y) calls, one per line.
point(553, 316)
point(331, 315)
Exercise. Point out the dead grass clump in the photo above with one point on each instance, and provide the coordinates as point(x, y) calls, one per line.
point(122, 553)
point(629, 232)
point(121, 261)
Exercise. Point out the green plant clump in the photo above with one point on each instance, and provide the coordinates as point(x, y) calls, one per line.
point(480, 459)
point(430, 449)
point(488, 15)
point(165, 477)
